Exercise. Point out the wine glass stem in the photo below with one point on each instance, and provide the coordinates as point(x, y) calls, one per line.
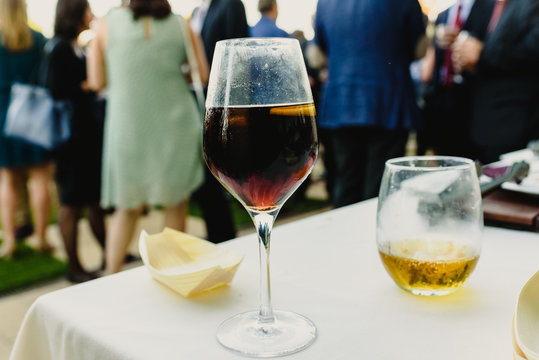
point(264, 223)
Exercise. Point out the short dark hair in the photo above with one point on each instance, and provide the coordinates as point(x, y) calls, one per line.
point(157, 9)
point(69, 18)
point(265, 5)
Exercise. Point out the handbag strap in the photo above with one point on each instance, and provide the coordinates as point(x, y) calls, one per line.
point(43, 72)
point(193, 66)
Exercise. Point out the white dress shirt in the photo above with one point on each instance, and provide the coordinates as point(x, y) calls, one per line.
point(197, 21)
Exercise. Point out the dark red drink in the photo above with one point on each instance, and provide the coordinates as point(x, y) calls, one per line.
point(261, 154)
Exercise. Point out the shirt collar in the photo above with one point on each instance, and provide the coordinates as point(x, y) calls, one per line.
point(464, 12)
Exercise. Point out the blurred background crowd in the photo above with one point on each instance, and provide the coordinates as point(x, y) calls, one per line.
point(462, 76)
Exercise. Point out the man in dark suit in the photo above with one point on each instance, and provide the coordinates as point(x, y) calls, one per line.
point(450, 103)
point(217, 20)
point(506, 97)
point(221, 20)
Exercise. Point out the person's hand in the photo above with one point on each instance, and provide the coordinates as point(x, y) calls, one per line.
point(446, 36)
point(323, 75)
point(466, 52)
point(84, 86)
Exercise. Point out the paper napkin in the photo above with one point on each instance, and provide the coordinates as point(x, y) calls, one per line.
point(185, 263)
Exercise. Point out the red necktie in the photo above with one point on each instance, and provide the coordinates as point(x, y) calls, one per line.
point(499, 7)
point(447, 72)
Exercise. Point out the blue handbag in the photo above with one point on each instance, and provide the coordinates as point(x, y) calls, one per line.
point(34, 116)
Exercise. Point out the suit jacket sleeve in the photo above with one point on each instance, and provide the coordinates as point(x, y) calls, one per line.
point(416, 26)
point(319, 35)
point(516, 45)
point(237, 21)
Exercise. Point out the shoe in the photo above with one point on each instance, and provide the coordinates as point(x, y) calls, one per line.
point(79, 277)
point(24, 231)
point(7, 253)
point(129, 258)
point(145, 210)
point(45, 249)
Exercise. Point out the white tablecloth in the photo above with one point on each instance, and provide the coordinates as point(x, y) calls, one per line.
point(325, 267)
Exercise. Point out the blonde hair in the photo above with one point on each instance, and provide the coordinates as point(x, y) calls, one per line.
point(14, 30)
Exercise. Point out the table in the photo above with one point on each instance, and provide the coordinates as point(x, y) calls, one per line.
point(325, 267)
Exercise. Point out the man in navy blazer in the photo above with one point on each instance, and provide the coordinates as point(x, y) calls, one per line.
point(368, 103)
point(217, 20)
point(506, 98)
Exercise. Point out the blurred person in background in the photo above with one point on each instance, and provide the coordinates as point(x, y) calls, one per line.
point(318, 74)
point(451, 100)
point(419, 69)
point(24, 227)
point(20, 56)
point(312, 73)
point(266, 26)
point(152, 141)
point(368, 103)
point(217, 20)
point(506, 96)
point(78, 162)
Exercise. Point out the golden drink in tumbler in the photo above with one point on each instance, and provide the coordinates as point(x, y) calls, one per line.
point(429, 222)
point(420, 266)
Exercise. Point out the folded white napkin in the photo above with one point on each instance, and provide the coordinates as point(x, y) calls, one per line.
point(185, 263)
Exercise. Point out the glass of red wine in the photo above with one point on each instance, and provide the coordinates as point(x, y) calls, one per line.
point(260, 142)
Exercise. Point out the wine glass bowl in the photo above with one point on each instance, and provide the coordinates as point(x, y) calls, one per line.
point(429, 222)
point(260, 142)
point(260, 154)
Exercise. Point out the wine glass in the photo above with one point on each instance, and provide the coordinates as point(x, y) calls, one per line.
point(260, 142)
point(429, 222)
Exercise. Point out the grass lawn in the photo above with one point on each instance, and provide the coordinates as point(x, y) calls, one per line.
point(28, 267)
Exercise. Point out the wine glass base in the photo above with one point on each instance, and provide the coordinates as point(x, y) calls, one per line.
point(245, 334)
point(431, 292)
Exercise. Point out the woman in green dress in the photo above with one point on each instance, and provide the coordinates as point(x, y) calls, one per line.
point(153, 128)
point(20, 56)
